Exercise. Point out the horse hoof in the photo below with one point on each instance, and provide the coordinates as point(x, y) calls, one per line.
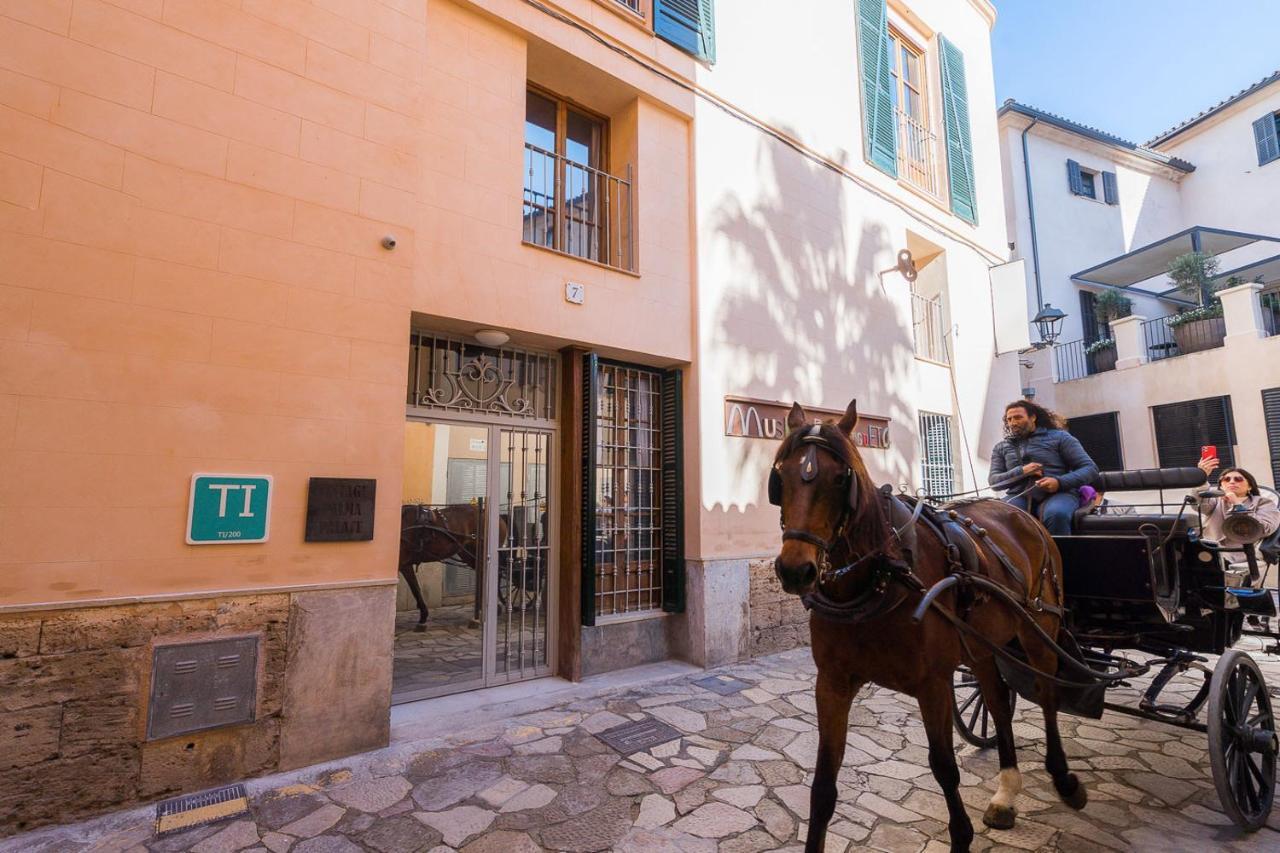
point(999, 817)
point(1072, 792)
point(421, 627)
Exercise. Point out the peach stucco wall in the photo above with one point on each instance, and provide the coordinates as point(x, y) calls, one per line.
point(192, 198)
point(471, 266)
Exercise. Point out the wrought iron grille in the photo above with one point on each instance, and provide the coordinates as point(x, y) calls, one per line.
point(1074, 361)
point(628, 485)
point(450, 374)
point(918, 154)
point(576, 209)
point(937, 464)
point(926, 322)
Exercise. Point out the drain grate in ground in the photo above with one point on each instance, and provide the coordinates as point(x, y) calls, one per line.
point(198, 809)
point(725, 685)
point(642, 734)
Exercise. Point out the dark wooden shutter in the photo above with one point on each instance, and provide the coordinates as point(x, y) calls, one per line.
point(1089, 316)
point(1182, 428)
point(959, 141)
point(1110, 190)
point(687, 24)
point(879, 122)
point(673, 575)
point(1100, 437)
point(590, 442)
point(1271, 416)
point(1266, 135)
point(1075, 180)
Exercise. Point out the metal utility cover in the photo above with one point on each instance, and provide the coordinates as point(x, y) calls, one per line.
point(197, 686)
point(725, 685)
point(197, 809)
point(642, 734)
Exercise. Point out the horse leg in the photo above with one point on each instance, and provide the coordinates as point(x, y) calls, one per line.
point(1065, 782)
point(1001, 811)
point(834, 695)
point(408, 570)
point(935, 709)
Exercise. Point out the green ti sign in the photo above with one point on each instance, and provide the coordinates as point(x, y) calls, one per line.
point(229, 509)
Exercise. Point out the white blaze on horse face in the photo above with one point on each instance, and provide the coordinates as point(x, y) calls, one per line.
point(1010, 787)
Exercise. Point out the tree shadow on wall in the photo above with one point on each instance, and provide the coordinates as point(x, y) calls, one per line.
point(808, 315)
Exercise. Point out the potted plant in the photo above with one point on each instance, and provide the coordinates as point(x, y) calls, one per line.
point(1202, 327)
point(1110, 305)
point(1102, 354)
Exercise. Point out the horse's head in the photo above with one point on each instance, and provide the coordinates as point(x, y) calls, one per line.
point(818, 481)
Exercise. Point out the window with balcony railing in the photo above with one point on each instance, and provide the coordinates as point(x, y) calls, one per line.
point(571, 204)
point(927, 327)
point(917, 144)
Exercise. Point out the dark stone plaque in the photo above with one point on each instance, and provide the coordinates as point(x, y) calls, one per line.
point(340, 509)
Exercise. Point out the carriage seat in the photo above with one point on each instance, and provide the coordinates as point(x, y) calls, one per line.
point(1085, 523)
point(1128, 525)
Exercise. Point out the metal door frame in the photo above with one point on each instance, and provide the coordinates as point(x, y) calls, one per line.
point(493, 425)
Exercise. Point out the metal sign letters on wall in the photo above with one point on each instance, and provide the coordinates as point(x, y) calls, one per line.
point(747, 418)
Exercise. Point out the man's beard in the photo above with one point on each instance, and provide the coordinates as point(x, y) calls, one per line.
point(1020, 431)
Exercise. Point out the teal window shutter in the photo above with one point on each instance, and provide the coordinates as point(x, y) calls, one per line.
point(1266, 135)
point(879, 124)
point(1110, 190)
point(955, 116)
point(1075, 180)
point(688, 24)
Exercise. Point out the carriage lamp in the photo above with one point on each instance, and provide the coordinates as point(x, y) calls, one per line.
point(1049, 324)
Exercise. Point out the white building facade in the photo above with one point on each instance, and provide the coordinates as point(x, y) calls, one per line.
point(815, 176)
point(1090, 213)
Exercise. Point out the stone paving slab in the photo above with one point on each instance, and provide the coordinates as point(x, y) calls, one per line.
point(736, 779)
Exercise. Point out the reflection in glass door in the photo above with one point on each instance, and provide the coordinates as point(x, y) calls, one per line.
point(521, 600)
point(444, 539)
point(474, 600)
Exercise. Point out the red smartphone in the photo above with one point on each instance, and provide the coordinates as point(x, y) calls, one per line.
point(1208, 451)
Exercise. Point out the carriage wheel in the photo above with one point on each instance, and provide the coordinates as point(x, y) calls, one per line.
point(969, 709)
point(1242, 740)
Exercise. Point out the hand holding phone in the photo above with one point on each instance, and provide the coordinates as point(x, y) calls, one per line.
point(1208, 451)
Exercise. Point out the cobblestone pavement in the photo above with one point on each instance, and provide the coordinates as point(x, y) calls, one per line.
point(736, 780)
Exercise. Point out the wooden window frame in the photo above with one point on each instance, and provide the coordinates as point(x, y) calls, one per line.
point(563, 106)
point(897, 37)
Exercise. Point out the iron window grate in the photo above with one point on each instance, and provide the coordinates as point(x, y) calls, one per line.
point(937, 463)
point(450, 374)
point(628, 489)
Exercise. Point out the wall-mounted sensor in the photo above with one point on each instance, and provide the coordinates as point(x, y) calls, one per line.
point(389, 242)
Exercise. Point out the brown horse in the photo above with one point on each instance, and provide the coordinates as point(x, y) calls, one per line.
point(429, 534)
point(832, 513)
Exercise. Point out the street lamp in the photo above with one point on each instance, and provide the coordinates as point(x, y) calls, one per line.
point(1049, 324)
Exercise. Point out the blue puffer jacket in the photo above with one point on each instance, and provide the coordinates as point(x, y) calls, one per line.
point(1057, 450)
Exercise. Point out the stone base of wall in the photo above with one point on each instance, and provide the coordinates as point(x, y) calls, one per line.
point(777, 620)
point(75, 684)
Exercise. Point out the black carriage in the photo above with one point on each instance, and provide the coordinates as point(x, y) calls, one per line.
point(1139, 581)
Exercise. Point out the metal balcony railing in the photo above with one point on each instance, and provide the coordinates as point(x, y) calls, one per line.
point(918, 155)
point(1163, 341)
point(577, 209)
point(927, 328)
point(1270, 311)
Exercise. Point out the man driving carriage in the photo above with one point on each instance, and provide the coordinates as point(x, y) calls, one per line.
point(1037, 445)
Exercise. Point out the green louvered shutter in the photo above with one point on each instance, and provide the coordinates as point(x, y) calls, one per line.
point(955, 114)
point(1266, 135)
point(879, 124)
point(688, 24)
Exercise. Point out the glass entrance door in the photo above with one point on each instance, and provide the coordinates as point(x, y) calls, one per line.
point(520, 626)
point(475, 568)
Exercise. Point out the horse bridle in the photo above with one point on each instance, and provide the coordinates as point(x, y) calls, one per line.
point(814, 441)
